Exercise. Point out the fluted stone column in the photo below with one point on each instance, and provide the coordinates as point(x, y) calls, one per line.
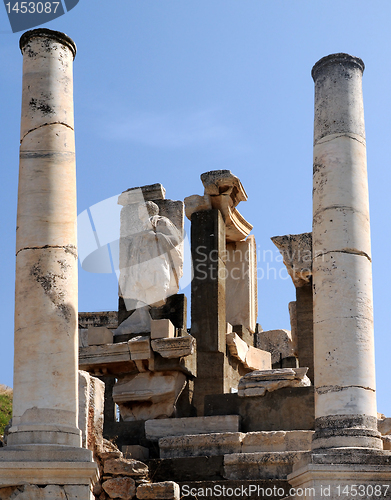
point(44, 422)
point(345, 405)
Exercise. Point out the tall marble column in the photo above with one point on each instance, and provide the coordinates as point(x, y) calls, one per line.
point(347, 451)
point(345, 404)
point(44, 422)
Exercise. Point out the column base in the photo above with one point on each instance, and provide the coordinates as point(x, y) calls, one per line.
point(47, 465)
point(342, 473)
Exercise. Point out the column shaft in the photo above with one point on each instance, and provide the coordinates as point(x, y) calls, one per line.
point(345, 404)
point(45, 372)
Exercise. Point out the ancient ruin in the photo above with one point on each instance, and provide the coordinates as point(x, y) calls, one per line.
point(213, 407)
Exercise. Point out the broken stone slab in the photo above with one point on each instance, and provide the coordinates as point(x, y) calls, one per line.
point(167, 490)
point(159, 428)
point(177, 347)
point(223, 182)
point(148, 395)
point(162, 328)
point(256, 359)
point(257, 383)
point(270, 441)
point(200, 445)
point(296, 251)
point(196, 203)
point(251, 357)
point(140, 348)
point(237, 347)
point(267, 465)
point(135, 451)
point(125, 467)
point(99, 335)
point(278, 342)
point(120, 487)
point(151, 192)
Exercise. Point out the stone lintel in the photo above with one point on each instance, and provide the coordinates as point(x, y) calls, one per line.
point(296, 250)
point(106, 359)
point(174, 347)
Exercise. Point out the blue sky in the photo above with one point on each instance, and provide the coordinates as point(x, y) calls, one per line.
point(168, 89)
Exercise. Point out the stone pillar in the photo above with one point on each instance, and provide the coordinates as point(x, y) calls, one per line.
point(346, 448)
point(342, 270)
point(208, 317)
point(45, 406)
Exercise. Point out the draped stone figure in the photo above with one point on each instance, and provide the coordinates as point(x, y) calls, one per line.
point(151, 261)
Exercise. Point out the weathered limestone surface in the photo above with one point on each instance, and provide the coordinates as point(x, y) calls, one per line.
point(99, 335)
point(200, 445)
point(270, 441)
point(167, 490)
point(196, 203)
point(269, 465)
point(140, 347)
point(91, 405)
point(121, 487)
point(237, 347)
point(104, 359)
point(257, 383)
point(159, 428)
point(150, 192)
point(162, 328)
point(125, 467)
point(279, 343)
point(241, 284)
point(174, 347)
point(149, 394)
point(296, 250)
point(256, 359)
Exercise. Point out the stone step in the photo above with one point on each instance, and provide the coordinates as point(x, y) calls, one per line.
point(214, 444)
point(263, 465)
point(162, 427)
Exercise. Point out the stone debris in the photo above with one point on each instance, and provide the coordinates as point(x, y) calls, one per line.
point(251, 357)
point(257, 383)
point(125, 467)
point(120, 487)
point(167, 490)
